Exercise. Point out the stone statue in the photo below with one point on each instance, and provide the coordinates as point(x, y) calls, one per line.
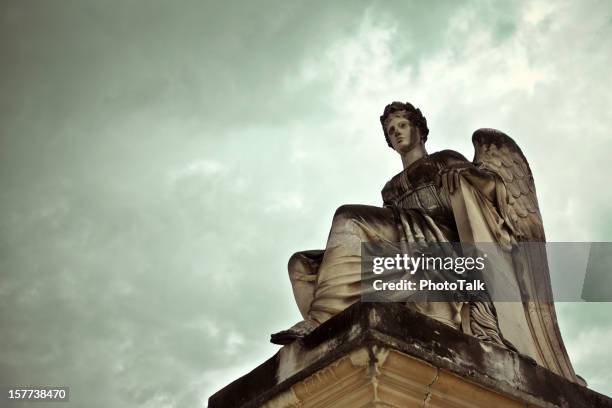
point(443, 197)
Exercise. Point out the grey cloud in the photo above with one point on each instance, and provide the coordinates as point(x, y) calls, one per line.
point(147, 148)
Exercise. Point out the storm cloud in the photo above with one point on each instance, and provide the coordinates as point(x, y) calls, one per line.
point(160, 161)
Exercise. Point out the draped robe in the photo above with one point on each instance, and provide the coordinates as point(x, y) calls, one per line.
point(417, 209)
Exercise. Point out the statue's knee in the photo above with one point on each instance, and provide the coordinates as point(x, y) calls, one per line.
point(346, 214)
point(350, 215)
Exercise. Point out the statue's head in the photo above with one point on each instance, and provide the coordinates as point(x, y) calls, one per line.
point(404, 125)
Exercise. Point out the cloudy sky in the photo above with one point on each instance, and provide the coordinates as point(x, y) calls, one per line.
point(161, 160)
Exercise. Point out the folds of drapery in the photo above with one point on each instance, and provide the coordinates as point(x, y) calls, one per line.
point(511, 276)
point(327, 282)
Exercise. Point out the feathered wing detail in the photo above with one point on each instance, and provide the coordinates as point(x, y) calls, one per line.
point(517, 203)
point(499, 154)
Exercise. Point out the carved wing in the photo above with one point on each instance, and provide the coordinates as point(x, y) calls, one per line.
point(498, 153)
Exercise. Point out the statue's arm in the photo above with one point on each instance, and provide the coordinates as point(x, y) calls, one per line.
point(485, 181)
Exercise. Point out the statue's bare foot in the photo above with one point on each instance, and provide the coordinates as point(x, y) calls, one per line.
point(297, 331)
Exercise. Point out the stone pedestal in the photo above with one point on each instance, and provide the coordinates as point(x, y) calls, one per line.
point(384, 355)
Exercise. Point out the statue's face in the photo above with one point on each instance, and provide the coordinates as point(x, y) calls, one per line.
point(402, 134)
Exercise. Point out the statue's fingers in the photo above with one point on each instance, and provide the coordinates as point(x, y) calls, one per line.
point(449, 182)
point(444, 181)
point(456, 181)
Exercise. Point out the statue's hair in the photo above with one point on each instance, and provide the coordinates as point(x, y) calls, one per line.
point(411, 113)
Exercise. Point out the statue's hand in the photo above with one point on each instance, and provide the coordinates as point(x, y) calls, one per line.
point(449, 177)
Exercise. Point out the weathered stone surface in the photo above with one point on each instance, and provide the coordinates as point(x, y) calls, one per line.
point(387, 355)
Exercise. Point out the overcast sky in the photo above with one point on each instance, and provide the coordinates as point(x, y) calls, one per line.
point(161, 160)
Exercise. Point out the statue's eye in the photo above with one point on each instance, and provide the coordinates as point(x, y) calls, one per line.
point(402, 125)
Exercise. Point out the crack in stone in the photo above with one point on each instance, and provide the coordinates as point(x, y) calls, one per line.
point(428, 388)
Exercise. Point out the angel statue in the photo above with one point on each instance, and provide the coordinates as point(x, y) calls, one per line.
point(436, 198)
